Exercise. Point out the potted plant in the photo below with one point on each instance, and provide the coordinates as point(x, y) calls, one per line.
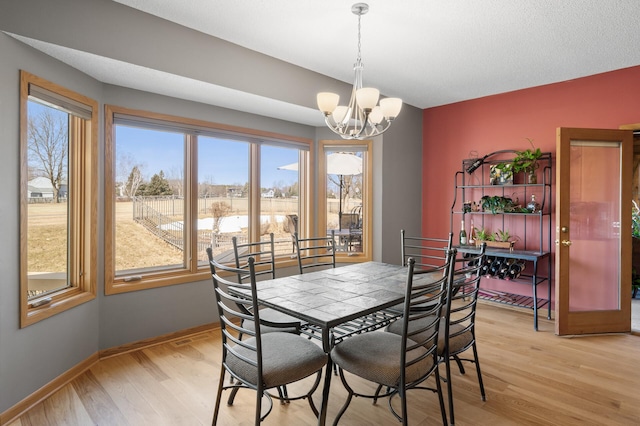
point(497, 204)
point(501, 174)
point(527, 162)
point(499, 239)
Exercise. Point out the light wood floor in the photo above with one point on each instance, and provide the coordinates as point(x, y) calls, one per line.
point(530, 378)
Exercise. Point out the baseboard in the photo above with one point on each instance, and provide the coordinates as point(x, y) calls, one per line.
point(56, 384)
point(47, 390)
point(141, 344)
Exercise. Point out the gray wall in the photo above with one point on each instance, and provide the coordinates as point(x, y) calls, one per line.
point(33, 356)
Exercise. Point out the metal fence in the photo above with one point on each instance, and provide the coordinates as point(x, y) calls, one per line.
point(163, 216)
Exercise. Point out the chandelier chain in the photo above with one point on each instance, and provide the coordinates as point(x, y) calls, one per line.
point(359, 58)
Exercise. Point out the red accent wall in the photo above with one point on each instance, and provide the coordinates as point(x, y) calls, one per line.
point(452, 132)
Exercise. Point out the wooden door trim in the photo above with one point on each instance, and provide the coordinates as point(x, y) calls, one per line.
point(601, 321)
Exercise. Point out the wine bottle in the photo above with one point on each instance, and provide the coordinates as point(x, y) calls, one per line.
point(504, 268)
point(515, 270)
point(495, 267)
point(463, 235)
point(533, 206)
point(485, 266)
point(472, 235)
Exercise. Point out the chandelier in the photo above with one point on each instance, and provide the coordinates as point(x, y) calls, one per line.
point(363, 117)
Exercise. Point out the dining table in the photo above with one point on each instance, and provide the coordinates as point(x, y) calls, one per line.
point(338, 302)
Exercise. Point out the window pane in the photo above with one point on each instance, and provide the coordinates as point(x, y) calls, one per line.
point(344, 197)
point(223, 190)
point(48, 213)
point(279, 195)
point(150, 204)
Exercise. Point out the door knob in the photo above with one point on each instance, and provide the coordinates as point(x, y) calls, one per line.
point(566, 243)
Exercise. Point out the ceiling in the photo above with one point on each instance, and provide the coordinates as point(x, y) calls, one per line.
point(427, 52)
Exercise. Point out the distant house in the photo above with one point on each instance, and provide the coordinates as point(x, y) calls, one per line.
point(234, 192)
point(41, 188)
point(268, 194)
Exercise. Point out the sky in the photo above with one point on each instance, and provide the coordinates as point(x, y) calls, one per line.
point(220, 161)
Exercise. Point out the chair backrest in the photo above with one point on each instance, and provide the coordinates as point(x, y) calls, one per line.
point(230, 297)
point(349, 221)
point(462, 296)
point(357, 210)
point(263, 253)
point(315, 252)
point(424, 288)
point(428, 253)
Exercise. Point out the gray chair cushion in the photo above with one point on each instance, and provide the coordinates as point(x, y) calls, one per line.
point(286, 358)
point(272, 315)
point(456, 343)
point(375, 356)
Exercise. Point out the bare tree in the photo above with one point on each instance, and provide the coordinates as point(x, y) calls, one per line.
point(219, 209)
point(133, 182)
point(129, 174)
point(48, 135)
point(176, 180)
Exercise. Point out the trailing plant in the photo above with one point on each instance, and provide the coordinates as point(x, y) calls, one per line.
point(498, 204)
point(635, 220)
point(527, 161)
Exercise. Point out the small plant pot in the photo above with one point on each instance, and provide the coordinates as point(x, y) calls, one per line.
point(497, 244)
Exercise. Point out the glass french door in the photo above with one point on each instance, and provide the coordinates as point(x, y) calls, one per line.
point(593, 231)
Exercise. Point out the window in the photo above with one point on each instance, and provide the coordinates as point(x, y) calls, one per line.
point(345, 190)
point(58, 192)
point(176, 186)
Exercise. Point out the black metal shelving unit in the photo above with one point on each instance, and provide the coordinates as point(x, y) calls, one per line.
point(473, 186)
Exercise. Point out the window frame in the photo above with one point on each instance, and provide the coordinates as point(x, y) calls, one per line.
point(82, 206)
point(367, 196)
point(160, 277)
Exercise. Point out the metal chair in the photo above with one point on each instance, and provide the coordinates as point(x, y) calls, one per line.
point(427, 252)
point(401, 362)
point(259, 362)
point(457, 328)
point(314, 252)
point(460, 325)
point(263, 253)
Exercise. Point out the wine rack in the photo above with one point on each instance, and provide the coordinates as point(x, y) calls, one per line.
point(533, 248)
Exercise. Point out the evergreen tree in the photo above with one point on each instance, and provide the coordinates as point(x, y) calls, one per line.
point(158, 185)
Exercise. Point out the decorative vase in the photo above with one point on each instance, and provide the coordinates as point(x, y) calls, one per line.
point(532, 178)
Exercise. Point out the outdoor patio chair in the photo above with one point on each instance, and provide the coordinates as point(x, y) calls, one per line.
point(263, 361)
point(400, 362)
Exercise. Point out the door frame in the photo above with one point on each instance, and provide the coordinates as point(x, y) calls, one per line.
point(592, 322)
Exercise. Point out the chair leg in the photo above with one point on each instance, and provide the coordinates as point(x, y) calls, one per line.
point(477, 362)
point(443, 411)
point(258, 406)
point(347, 402)
point(459, 362)
point(402, 393)
point(218, 397)
point(447, 364)
point(232, 395)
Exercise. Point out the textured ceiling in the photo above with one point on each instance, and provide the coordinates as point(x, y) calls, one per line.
point(427, 52)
